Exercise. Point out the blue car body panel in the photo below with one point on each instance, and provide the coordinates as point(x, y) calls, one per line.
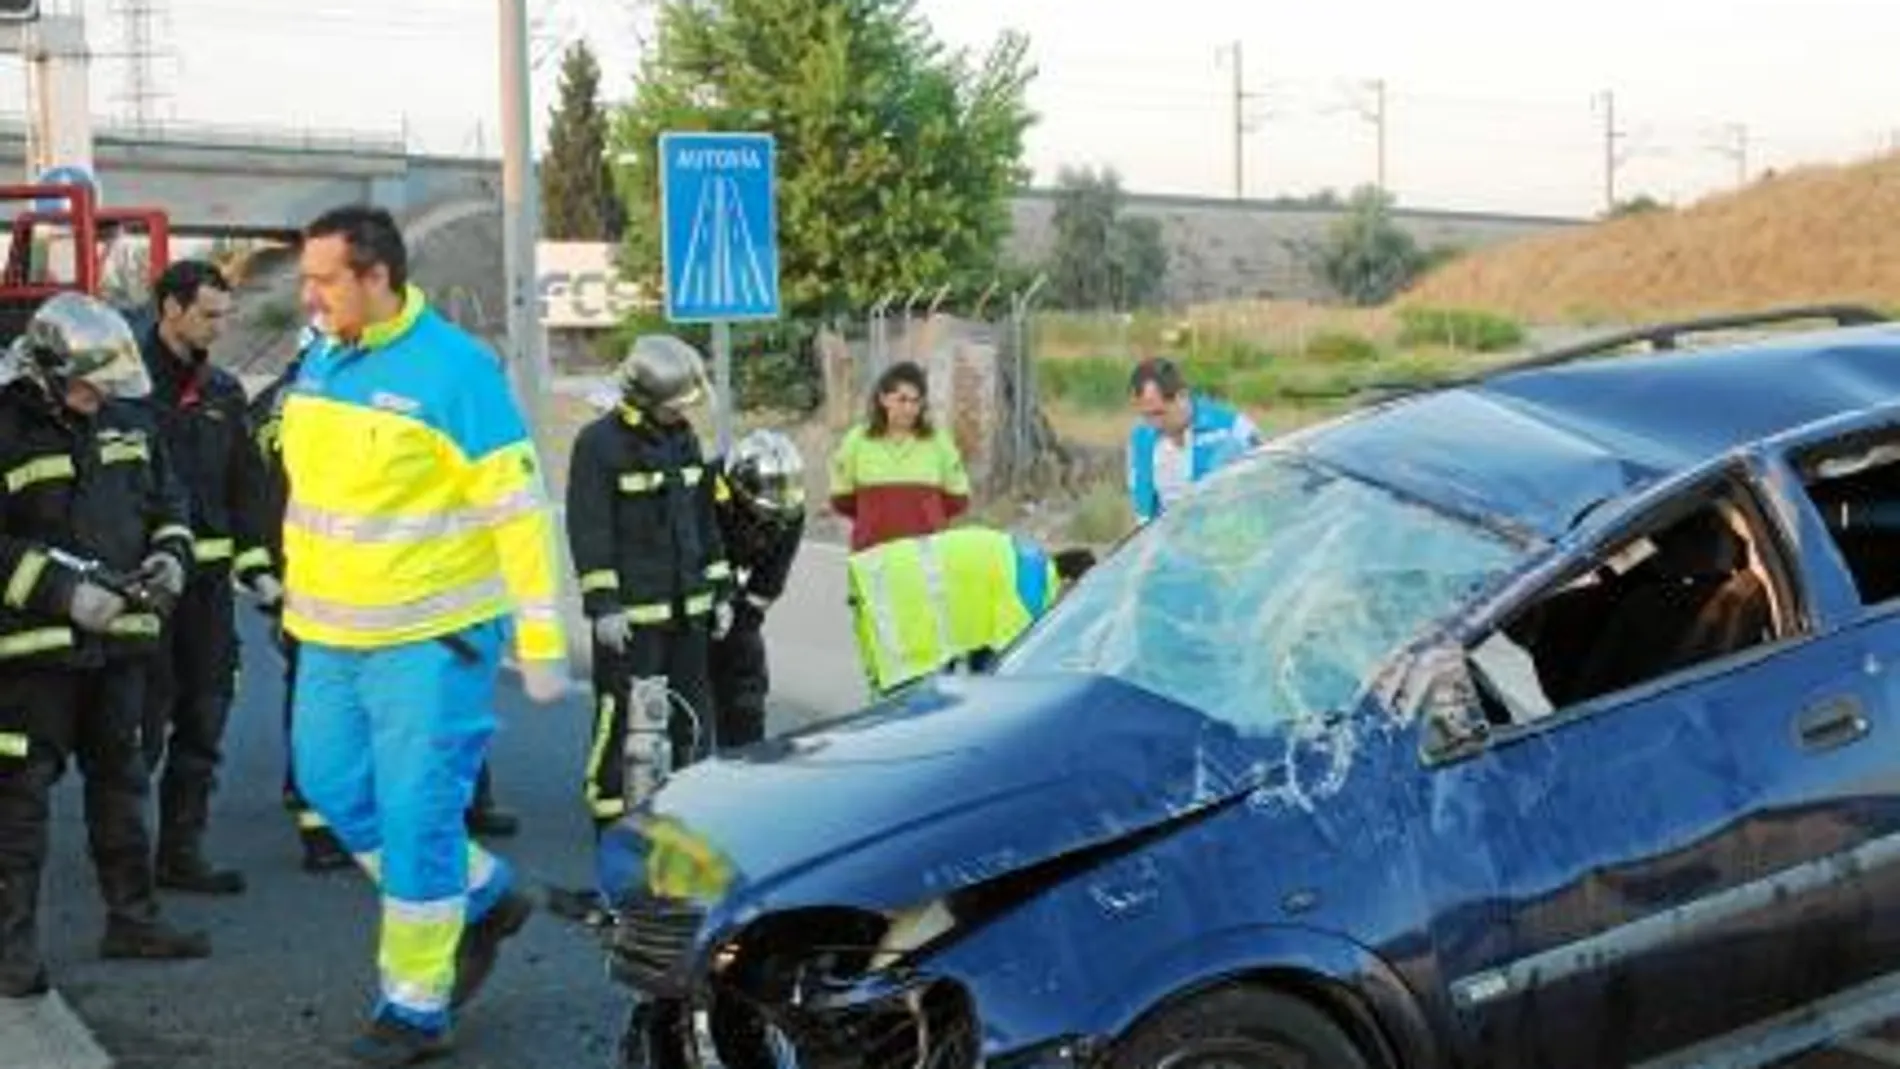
point(1615, 884)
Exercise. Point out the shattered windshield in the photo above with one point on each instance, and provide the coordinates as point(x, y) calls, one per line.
point(1272, 592)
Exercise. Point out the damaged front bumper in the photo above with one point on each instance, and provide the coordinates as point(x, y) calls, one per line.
point(917, 1023)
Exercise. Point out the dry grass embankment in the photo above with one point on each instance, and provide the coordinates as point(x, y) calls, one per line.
point(1821, 233)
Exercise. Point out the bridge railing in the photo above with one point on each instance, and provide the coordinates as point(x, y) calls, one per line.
point(235, 136)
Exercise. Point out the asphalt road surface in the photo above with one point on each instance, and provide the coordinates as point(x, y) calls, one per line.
point(292, 974)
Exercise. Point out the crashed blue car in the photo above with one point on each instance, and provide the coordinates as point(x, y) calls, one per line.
point(1544, 718)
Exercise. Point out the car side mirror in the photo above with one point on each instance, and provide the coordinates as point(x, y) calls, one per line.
point(1449, 709)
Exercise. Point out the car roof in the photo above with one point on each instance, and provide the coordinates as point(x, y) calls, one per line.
point(1537, 446)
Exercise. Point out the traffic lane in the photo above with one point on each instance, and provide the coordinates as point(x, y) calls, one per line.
point(814, 656)
point(293, 969)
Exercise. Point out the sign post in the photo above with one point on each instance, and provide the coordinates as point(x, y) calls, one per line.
point(719, 241)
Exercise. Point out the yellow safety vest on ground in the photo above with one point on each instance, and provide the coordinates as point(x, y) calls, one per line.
point(919, 603)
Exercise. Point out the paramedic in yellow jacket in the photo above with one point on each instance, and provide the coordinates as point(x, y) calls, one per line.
point(954, 598)
point(417, 526)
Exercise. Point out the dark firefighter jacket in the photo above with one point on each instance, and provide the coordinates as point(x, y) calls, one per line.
point(205, 419)
point(761, 554)
point(99, 488)
point(640, 521)
point(266, 419)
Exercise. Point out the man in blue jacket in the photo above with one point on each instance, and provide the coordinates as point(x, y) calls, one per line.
point(1180, 439)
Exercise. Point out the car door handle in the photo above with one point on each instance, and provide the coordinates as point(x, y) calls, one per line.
point(1834, 722)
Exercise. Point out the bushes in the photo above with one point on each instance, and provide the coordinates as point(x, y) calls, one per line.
point(1338, 346)
point(1099, 383)
point(1458, 328)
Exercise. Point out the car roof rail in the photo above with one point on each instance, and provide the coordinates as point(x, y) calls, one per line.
point(1663, 336)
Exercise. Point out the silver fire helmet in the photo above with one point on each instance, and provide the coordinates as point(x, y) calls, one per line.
point(72, 336)
point(662, 372)
point(767, 474)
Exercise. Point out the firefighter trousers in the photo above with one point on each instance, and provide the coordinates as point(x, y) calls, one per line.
point(388, 743)
point(677, 650)
point(193, 679)
point(740, 683)
point(93, 716)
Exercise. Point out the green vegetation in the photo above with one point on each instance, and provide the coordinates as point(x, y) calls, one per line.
point(1368, 258)
point(1101, 258)
point(896, 156)
point(1459, 328)
point(577, 193)
point(1102, 515)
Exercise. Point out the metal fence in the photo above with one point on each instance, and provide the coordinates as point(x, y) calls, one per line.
point(978, 350)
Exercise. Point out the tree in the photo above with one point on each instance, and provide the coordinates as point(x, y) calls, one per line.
point(1367, 257)
point(1641, 204)
point(1100, 258)
point(896, 158)
point(578, 202)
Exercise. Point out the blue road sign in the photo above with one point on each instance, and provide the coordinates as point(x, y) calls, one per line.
point(718, 201)
point(64, 175)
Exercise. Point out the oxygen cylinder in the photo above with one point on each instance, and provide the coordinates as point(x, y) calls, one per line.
point(647, 756)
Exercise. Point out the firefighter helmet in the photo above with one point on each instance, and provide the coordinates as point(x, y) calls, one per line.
point(767, 474)
point(662, 374)
point(74, 337)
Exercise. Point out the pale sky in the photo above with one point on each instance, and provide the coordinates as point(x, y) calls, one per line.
point(1491, 103)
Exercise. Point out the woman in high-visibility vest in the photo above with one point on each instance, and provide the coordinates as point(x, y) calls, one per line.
point(897, 475)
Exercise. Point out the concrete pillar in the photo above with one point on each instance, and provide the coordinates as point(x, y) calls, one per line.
point(59, 126)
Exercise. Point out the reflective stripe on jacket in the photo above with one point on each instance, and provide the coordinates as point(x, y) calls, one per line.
point(416, 504)
point(641, 523)
point(919, 603)
point(201, 410)
point(99, 488)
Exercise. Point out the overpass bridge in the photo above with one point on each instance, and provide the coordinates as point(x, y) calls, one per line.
point(242, 181)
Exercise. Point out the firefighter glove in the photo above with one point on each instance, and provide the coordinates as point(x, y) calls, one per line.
point(163, 571)
point(544, 681)
point(613, 630)
point(722, 620)
point(94, 607)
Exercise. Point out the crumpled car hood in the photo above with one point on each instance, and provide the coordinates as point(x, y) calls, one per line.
point(959, 781)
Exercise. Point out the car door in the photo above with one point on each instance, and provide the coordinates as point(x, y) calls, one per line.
point(1850, 774)
point(1627, 876)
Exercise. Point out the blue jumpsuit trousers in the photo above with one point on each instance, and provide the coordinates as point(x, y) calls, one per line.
point(387, 744)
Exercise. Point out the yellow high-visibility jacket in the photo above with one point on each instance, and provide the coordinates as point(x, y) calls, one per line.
point(919, 603)
point(417, 506)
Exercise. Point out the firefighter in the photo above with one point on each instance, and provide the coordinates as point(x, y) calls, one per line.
point(86, 488)
point(417, 531)
point(202, 413)
point(761, 512)
point(321, 851)
point(646, 545)
point(952, 599)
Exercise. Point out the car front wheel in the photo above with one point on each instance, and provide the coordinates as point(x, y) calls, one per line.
point(1239, 1028)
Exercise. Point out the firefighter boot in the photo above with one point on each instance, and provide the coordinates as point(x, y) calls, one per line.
point(151, 940)
point(182, 867)
point(21, 974)
point(484, 817)
point(322, 852)
point(184, 809)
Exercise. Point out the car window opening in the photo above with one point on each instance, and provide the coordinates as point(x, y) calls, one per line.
point(1857, 492)
point(1686, 593)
